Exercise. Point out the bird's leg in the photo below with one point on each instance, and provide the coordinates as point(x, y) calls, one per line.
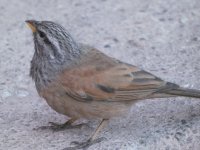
point(59, 127)
point(92, 140)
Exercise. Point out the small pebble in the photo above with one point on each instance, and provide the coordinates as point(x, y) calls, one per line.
point(22, 93)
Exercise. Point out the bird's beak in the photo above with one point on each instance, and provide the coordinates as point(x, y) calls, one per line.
point(32, 25)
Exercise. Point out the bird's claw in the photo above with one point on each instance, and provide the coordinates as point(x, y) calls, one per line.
point(84, 145)
point(59, 127)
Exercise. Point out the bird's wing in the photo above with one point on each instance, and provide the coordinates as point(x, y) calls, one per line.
point(106, 79)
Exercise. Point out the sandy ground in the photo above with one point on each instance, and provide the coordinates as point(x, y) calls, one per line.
point(162, 37)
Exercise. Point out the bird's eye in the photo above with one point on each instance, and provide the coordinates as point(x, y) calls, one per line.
point(41, 34)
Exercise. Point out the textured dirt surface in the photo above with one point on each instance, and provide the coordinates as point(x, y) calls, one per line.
point(162, 37)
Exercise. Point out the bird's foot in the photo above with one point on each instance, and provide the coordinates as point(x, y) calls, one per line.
point(84, 145)
point(59, 127)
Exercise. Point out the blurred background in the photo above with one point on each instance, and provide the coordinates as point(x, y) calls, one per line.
point(162, 37)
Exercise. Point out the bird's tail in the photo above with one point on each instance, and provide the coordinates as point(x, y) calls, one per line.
point(175, 90)
point(184, 92)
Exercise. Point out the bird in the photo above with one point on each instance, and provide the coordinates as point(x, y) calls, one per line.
point(80, 81)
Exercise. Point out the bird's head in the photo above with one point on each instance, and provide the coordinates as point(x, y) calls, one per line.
point(52, 41)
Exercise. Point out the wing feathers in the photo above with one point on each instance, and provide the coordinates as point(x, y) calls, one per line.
point(106, 79)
